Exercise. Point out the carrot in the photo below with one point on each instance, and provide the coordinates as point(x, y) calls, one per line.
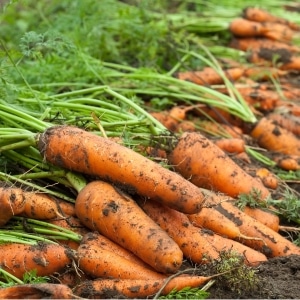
point(12, 202)
point(264, 73)
point(263, 216)
point(256, 44)
point(209, 76)
point(97, 262)
point(37, 291)
point(85, 152)
point(164, 118)
point(95, 238)
point(186, 126)
point(45, 258)
point(231, 145)
point(181, 230)
point(129, 288)
point(101, 207)
point(65, 208)
point(207, 166)
point(251, 256)
point(271, 136)
point(71, 277)
point(287, 162)
point(260, 15)
point(268, 178)
point(287, 121)
point(245, 28)
point(212, 127)
point(268, 241)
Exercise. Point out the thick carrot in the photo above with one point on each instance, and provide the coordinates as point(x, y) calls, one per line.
point(263, 216)
point(88, 153)
point(241, 27)
point(271, 136)
point(287, 121)
point(95, 238)
point(206, 165)
point(268, 241)
point(231, 145)
point(12, 202)
point(251, 256)
point(100, 206)
point(37, 291)
point(209, 76)
point(178, 226)
point(260, 15)
point(45, 258)
point(129, 288)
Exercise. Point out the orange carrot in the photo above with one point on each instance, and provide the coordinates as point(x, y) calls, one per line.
point(271, 136)
point(164, 118)
point(212, 127)
point(45, 258)
point(231, 145)
point(268, 178)
point(263, 216)
point(287, 121)
point(245, 28)
point(263, 73)
point(65, 208)
point(251, 256)
point(207, 166)
point(287, 162)
point(268, 241)
point(209, 76)
point(12, 202)
point(88, 153)
point(129, 288)
point(102, 207)
point(95, 238)
point(37, 291)
point(260, 15)
point(181, 230)
point(98, 262)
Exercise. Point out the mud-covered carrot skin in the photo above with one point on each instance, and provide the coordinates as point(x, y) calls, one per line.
point(45, 258)
point(85, 152)
point(102, 207)
point(203, 163)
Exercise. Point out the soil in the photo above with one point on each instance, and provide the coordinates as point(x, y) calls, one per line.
point(279, 278)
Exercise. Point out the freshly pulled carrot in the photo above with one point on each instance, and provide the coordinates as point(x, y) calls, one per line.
point(139, 288)
point(206, 165)
point(268, 241)
point(271, 136)
point(287, 162)
point(164, 118)
point(178, 226)
point(37, 291)
point(220, 243)
point(45, 258)
point(88, 153)
point(102, 207)
point(95, 238)
point(12, 202)
point(231, 145)
point(209, 76)
point(263, 216)
point(97, 262)
point(268, 178)
point(260, 15)
point(287, 121)
point(245, 28)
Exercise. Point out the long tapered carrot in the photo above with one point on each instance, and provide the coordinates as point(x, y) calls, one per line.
point(45, 258)
point(251, 257)
point(271, 136)
point(85, 152)
point(129, 288)
point(101, 207)
point(12, 202)
point(97, 262)
point(178, 226)
point(206, 165)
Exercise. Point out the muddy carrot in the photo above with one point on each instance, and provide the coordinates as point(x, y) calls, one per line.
point(45, 258)
point(268, 178)
point(181, 230)
point(12, 202)
point(129, 288)
point(231, 145)
point(251, 257)
point(207, 166)
point(88, 153)
point(260, 15)
point(287, 121)
point(271, 136)
point(102, 207)
point(287, 162)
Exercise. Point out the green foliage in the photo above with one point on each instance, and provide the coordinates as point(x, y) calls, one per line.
point(187, 293)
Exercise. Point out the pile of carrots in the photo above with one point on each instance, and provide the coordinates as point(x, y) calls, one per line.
point(138, 221)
